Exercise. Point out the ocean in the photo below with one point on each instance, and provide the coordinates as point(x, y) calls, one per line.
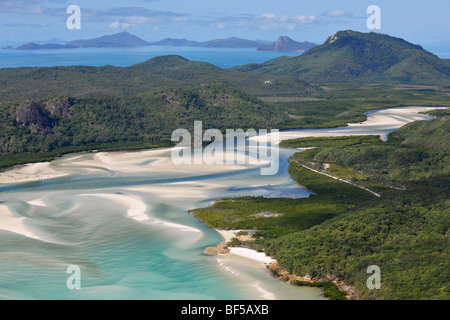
point(123, 57)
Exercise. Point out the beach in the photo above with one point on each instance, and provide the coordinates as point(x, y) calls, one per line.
point(123, 216)
point(379, 122)
point(247, 253)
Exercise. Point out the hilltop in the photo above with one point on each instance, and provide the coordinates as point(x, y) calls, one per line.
point(118, 40)
point(350, 56)
point(286, 44)
point(110, 81)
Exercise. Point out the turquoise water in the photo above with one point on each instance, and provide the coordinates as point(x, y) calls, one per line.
point(123, 219)
point(125, 258)
point(123, 57)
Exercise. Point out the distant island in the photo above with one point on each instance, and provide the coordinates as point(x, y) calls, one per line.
point(125, 39)
point(286, 44)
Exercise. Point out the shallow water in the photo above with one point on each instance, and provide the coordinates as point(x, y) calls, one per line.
point(122, 218)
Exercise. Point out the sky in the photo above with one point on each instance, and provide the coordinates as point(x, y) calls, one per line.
point(417, 21)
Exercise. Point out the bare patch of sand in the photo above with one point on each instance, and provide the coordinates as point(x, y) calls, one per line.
point(251, 254)
point(30, 172)
point(378, 123)
point(137, 210)
point(179, 190)
point(37, 202)
point(11, 223)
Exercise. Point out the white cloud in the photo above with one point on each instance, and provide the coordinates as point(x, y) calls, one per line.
point(270, 21)
point(304, 19)
point(180, 20)
point(338, 13)
point(137, 20)
point(273, 17)
point(115, 25)
point(219, 26)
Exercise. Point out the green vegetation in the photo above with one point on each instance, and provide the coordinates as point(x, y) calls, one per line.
point(338, 104)
point(329, 289)
point(405, 232)
point(350, 56)
point(339, 230)
point(406, 159)
point(61, 124)
point(329, 141)
point(285, 215)
point(108, 81)
point(274, 217)
point(72, 108)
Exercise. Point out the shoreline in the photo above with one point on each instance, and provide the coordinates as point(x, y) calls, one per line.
point(283, 275)
point(284, 135)
point(245, 252)
point(134, 211)
point(271, 264)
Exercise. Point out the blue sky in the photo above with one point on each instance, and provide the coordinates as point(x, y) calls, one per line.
point(313, 20)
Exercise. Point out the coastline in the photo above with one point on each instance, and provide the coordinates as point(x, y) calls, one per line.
point(411, 113)
point(283, 275)
point(115, 162)
point(276, 271)
point(245, 252)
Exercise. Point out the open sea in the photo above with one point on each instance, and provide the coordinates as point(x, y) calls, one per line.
point(123, 57)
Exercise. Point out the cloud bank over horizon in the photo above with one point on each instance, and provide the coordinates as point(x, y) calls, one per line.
point(28, 20)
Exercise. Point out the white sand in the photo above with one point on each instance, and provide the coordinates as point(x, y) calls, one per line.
point(131, 162)
point(244, 252)
point(377, 123)
point(37, 202)
point(251, 254)
point(227, 234)
point(266, 295)
point(31, 172)
point(177, 226)
point(137, 210)
point(11, 223)
point(179, 190)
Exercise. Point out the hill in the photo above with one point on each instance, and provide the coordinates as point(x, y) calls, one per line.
point(176, 43)
point(30, 128)
point(350, 56)
point(46, 110)
point(232, 42)
point(119, 40)
point(286, 44)
point(47, 46)
point(125, 39)
point(109, 81)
